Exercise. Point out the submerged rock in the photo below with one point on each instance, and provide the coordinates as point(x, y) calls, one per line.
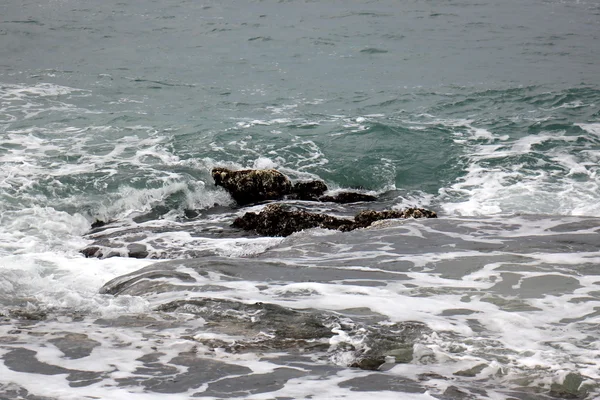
point(29, 315)
point(572, 387)
point(280, 322)
point(253, 186)
point(279, 220)
point(366, 218)
point(363, 338)
point(137, 250)
point(98, 223)
point(92, 251)
point(388, 344)
point(348, 197)
point(271, 327)
point(133, 250)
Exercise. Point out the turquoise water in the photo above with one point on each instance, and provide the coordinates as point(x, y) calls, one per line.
point(375, 95)
point(487, 112)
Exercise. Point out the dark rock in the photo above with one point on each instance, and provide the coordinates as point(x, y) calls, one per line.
point(348, 197)
point(394, 342)
point(253, 186)
point(191, 214)
point(37, 315)
point(471, 372)
point(91, 251)
point(102, 252)
point(137, 250)
point(98, 224)
point(74, 345)
point(369, 363)
point(271, 327)
point(278, 220)
point(570, 388)
point(454, 393)
point(366, 218)
point(377, 383)
point(308, 190)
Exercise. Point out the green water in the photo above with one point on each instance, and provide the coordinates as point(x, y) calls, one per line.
point(487, 112)
point(381, 96)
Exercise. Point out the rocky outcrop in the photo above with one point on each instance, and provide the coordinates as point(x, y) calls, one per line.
point(279, 220)
point(132, 239)
point(255, 185)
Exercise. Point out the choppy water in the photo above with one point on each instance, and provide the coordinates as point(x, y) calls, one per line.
point(486, 112)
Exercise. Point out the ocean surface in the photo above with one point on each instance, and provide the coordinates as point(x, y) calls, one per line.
point(485, 111)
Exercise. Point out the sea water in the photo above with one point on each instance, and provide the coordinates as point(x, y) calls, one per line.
point(487, 112)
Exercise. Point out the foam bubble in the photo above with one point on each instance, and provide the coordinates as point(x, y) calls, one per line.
point(264, 163)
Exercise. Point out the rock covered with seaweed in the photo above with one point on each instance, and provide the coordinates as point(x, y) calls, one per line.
point(281, 220)
point(253, 186)
point(250, 186)
point(247, 187)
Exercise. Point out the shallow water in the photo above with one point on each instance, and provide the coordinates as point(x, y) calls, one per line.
point(486, 112)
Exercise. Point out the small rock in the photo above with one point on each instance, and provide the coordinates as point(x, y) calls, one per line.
point(454, 393)
point(401, 354)
point(471, 372)
point(348, 197)
point(570, 388)
point(91, 251)
point(98, 224)
point(366, 218)
point(369, 363)
point(137, 250)
point(28, 315)
point(309, 190)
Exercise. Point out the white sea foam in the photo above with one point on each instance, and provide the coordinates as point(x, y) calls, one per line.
point(55, 282)
point(563, 181)
point(131, 201)
point(501, 321)
point(536, 343)
point(38, 90)
point(264, 163)
point(39, 262)
point(591, 128)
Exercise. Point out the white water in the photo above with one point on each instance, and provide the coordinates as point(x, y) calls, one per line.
point(520, 335)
